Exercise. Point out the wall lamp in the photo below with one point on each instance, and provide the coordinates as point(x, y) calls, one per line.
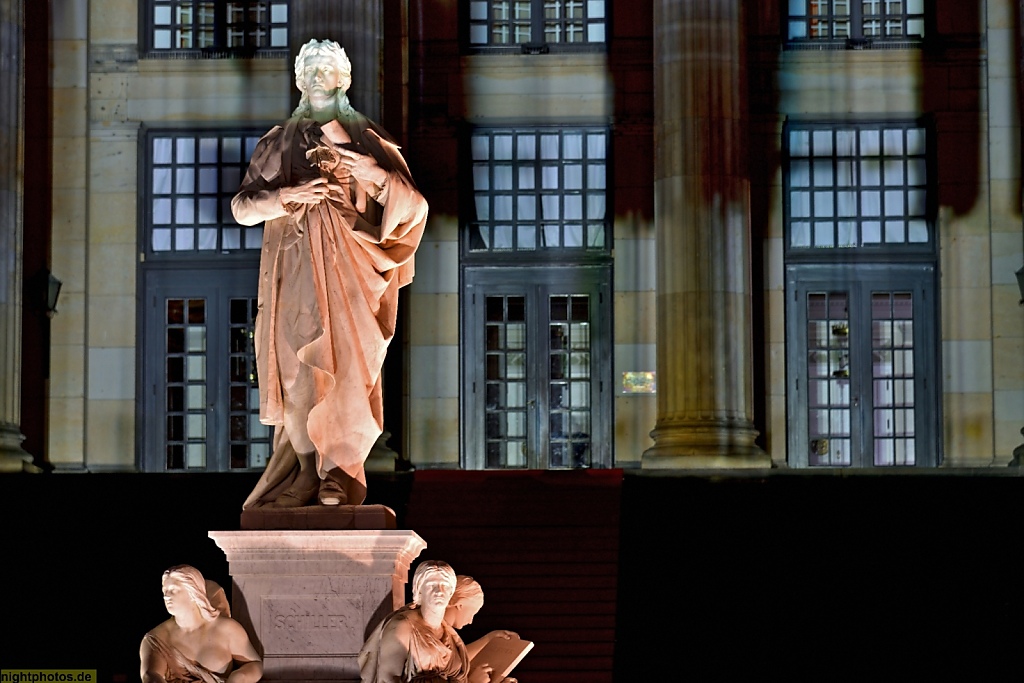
point(1018, 452)
point(48, 291)
point(1020, 284)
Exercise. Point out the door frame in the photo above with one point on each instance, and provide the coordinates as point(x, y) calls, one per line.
point(537, 281)
point(860, 279)
point(217, 286)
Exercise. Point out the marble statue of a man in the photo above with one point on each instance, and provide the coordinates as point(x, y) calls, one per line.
point(200, 642)
point(343, 219)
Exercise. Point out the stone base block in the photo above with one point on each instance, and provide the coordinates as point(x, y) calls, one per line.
point(309, 598)
point(320, 517)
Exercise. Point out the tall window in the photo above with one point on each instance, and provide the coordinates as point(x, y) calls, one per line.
point(854, 23)
point(537, 190)
point(861, 305)
point(240, 26)
point(857, 187)
point(199, 408)
point(536, 303)
point(537, 25)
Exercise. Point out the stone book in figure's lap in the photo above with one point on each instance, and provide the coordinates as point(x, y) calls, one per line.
point(502, 654)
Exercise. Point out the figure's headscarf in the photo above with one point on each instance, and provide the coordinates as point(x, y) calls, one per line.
point(194, 583)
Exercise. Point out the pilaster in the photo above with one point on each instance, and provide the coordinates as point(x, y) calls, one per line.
point(12, 457)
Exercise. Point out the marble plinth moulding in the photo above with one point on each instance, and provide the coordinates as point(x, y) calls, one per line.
point(309, 598)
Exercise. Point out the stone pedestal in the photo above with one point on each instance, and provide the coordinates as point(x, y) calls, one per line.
point(309, 598)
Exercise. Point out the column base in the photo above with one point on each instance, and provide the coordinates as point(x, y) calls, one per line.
point(13, 458)
point(704, 444)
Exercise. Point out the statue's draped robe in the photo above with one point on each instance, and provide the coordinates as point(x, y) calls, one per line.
point(181, 669)
point(429, 660)
point(328, 295)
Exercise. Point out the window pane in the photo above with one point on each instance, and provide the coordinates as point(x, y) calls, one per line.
point(526, 208)
point(800, 173)
point(161, 181)
point(503, 147)
point(161, 211)
point(573, 177)
point(503, 178)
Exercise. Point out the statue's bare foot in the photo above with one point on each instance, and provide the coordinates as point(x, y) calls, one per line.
point(301, 492)
point(332, 492)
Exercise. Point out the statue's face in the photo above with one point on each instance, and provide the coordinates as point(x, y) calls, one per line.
point(176, 597)
point(462, 614)
point(435, 592)
point(320, 79)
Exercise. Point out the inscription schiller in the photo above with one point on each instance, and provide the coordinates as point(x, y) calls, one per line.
point(308, 622)
point(311, 624)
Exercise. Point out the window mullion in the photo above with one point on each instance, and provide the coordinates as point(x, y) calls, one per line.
point(537, 36)
point(856, 19)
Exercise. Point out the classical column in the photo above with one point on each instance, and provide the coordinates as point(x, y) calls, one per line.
point(702, 224)
point(357, 25)
point(12, 457)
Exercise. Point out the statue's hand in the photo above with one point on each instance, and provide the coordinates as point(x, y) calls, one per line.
point(363, 167)
point(507, 635)
point(480, 673)
point(312, 191)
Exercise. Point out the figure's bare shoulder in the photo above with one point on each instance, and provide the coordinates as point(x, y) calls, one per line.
point(234, 635)
point(162, 630)
point(226, 629)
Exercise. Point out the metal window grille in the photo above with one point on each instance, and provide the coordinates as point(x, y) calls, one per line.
point(856, 24)
point(539, 189)
point(860, 187)
point(191, 180)
point(537, 25)
point(183, 26)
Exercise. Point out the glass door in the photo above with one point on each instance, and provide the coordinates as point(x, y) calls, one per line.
point(537, 370)
point(200, 403)
point(862, 352)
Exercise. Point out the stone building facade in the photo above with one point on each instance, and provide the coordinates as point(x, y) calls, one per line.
point(800, 226)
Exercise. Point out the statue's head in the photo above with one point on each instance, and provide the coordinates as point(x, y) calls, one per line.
point(322, 72)
point(429, 575)
point(466, 601)
point(184, 588)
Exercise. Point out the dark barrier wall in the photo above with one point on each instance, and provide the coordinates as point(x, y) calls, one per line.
point(820, 577)
point(718, 578)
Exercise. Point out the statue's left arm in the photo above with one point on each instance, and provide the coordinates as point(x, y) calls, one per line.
point(248, 665)
point(384, 176)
